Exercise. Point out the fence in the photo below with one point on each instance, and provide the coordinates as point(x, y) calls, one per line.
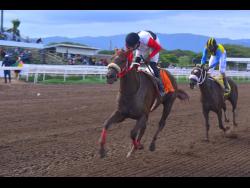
point(83, 70)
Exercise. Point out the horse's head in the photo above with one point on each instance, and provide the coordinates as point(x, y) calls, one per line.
point(118, 64)
point(197, 76)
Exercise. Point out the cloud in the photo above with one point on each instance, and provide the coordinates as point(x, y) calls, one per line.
point(76, 23)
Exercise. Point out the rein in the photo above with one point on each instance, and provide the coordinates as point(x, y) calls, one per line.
point(122, 72)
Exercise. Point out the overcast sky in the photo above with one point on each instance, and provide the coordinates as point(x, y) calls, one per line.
point(233, 24)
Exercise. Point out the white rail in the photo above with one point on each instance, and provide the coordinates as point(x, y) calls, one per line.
point(65, 70)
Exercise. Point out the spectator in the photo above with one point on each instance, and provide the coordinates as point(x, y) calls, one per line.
point(85, 62)
point(19, 63)
point(104, 62)
point(3, 53)
point(91, 61)
point(70, 61)
point(7, 63)
point(100, 62)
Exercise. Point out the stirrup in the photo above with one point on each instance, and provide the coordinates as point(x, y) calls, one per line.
point(162, 93)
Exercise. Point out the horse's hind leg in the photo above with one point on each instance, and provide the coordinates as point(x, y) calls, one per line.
point(115, 117)
point(234, 104)
point(166, 110)
point(219, 115)
point(140, 126)
point(225, 114)
point(233, 100)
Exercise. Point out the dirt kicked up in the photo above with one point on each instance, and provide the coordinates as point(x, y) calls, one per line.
point(53, 130)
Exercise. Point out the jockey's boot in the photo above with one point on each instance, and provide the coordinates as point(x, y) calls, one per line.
point(160, 86)
point(226, 84)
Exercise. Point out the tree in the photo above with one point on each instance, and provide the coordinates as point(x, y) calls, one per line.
point(71, 43)
point(108, 52)
point(14, 30)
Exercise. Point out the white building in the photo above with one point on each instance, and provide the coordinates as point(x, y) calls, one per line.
point(239, 60)
point(72, 49)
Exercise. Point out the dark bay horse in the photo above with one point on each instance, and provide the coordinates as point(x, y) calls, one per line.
point(136, 96)
point(212, 96)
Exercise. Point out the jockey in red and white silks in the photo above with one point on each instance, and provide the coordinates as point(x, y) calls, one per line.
point(147, 46)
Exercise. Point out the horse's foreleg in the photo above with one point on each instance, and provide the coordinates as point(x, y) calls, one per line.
point(140, 126)
point(141, 133)
point(205, 114)
point(167, 108)
point(115, 117)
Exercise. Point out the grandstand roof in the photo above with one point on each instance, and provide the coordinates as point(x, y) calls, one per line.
point(71, 45)
point(21, 44)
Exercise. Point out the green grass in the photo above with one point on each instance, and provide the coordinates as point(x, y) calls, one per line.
point(69, 80)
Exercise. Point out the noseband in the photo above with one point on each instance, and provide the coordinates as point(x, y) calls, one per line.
point(200, 80)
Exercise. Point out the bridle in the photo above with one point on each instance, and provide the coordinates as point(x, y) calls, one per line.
point(122, 72)
point(200, 80)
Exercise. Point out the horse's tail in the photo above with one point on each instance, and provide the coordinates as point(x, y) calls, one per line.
point(182, 95)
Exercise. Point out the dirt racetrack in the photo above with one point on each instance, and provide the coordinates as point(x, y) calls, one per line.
point(57, 132)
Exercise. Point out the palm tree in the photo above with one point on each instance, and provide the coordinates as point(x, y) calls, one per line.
point(14, 30)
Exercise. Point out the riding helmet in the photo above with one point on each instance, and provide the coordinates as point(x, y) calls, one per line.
point(132, 39)
point(211, 43)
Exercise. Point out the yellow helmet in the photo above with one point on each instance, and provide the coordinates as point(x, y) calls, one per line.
point(212, 44)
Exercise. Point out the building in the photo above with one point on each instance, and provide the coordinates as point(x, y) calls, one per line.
point(67, 52)
point(73, 49)
point(239, 63)
point(59, 53)
point(14, 44)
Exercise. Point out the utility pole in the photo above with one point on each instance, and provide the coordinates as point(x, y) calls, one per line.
point(1, 20)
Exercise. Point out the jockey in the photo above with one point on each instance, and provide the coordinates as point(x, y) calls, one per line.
point(145, 42)
point(218, 56)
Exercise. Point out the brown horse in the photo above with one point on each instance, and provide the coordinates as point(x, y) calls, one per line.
point(137, 94)
point(212, 96)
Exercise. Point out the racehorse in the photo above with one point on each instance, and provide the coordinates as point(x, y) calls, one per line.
point(213, 97)
point(137, 94)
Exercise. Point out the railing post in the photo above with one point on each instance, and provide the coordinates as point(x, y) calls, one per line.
point(27, 77)
point(64, 76)
point(35, 77)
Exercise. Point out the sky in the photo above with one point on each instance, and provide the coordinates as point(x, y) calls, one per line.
point(233, 24)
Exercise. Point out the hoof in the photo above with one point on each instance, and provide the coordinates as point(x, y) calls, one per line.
point(102, 152)
point(205, 140)
point(231, 135)
point(140, 147)
point(152, 147)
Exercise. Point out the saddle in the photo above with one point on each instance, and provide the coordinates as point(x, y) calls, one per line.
point(219, 80)
point(168, 87)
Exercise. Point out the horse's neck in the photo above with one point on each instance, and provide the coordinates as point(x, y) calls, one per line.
point(129, 84)
point(204, 87)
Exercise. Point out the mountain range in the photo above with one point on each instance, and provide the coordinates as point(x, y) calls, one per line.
point(182, 41)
